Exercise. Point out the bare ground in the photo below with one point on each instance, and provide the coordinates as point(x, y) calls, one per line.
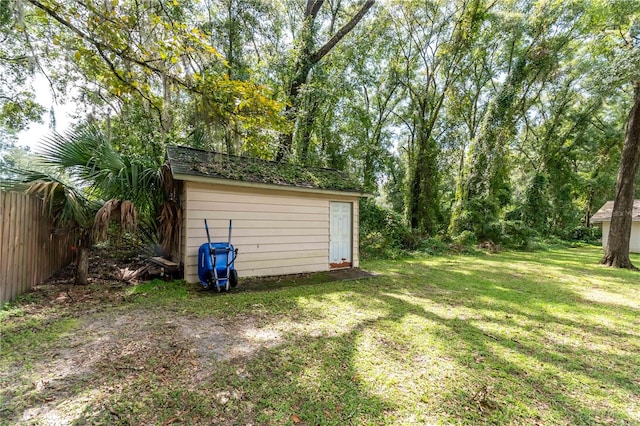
point(113, 343)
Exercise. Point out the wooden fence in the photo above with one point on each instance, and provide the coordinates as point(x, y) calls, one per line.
point(29, 253)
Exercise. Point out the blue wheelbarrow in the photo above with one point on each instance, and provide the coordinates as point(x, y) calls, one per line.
point(216, 263)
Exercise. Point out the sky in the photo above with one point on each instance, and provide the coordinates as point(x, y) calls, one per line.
point(62, 110)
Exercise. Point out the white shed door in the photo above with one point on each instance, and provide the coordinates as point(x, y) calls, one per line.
point(340, 235)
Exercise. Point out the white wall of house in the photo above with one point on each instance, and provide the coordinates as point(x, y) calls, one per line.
point(276, 231)
point(634, 243)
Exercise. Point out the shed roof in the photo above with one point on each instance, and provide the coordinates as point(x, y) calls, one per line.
point(604, 214)
point(188, 162)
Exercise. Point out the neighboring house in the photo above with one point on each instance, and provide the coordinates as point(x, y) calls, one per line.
point(286, 218)
point(603, 216)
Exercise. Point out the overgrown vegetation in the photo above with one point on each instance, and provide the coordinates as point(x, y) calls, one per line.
point(548, 337)
point(384, 234)
point(500, 118)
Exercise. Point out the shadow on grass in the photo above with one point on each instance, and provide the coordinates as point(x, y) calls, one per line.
point(574, 262)
point(497, 324)
point(130, 375)
point(548, 379)
point(604, 369)
point(312, 377)
point(584, 382)
point(63, 374)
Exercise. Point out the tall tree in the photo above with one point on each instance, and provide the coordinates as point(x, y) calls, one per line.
point(621, 40)
point(18, 107)
point(438, 36)
point(531, 51)
point(617, 251)
point(236, 30)
point(307, 55)
point(145, 58)
point(363, 118)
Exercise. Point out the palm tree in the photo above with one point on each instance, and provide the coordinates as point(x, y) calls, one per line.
point(67, 205)
point(82, 169)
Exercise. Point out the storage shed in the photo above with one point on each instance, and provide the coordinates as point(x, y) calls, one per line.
point(603, 216)
point(286, 218)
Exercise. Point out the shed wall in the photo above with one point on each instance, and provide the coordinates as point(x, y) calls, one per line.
point(634, 243)
point(275, 231)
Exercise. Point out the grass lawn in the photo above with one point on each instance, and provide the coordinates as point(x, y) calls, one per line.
point(548, 337)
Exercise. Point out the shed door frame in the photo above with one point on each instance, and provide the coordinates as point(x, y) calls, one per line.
point(340, 234)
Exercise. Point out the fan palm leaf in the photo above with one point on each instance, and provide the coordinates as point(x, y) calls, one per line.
point(64, 202)
point(170, 219)
point(87, 153)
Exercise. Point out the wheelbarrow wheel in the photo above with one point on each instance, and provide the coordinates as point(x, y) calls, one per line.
point(233, 278)
point(208, 283)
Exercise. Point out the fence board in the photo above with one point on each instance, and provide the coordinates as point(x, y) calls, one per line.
point(13, 205)
point(29, 253)
point(4, 229)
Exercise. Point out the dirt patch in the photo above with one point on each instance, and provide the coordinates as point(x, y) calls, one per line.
point(113, 344)
point(110, 350)
point(228, 339)
point(280, 281)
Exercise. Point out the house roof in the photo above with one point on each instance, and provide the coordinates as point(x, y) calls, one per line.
point(604, 214)
point(194, 164)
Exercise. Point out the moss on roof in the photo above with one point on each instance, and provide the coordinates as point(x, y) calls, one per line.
point(195, 162)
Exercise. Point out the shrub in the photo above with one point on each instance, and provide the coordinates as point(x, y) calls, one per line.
point(434, 246)
point(383, 232)
point(465, 238)
point(585, 234)
point(516, 234)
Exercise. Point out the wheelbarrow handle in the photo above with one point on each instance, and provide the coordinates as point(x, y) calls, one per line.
point(233, 259)
point(206, 227)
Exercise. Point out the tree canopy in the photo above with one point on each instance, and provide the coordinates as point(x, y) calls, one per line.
point(500, 119)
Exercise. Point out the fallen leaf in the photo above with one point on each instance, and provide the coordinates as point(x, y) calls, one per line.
point(296, 419)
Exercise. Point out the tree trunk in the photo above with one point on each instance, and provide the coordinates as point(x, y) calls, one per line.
point(285, 144)
point(306, 128)
point(484, 189)
point(82, 265)
point(617, 251)
point(424, 197)
point(307, 59)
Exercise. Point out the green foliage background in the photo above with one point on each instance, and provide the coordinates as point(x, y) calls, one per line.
point(472, 120)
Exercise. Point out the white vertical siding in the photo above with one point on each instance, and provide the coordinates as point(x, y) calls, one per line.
point(275, 231)
point(634, 243)
point(355, 253)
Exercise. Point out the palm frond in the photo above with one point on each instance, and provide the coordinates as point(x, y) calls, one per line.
point(65, 203)
point(114, 210)
point(170, 220)
point(166, 181)
point(87, 153)
point(103, 218)
point(72, 149)
point(128, 216)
